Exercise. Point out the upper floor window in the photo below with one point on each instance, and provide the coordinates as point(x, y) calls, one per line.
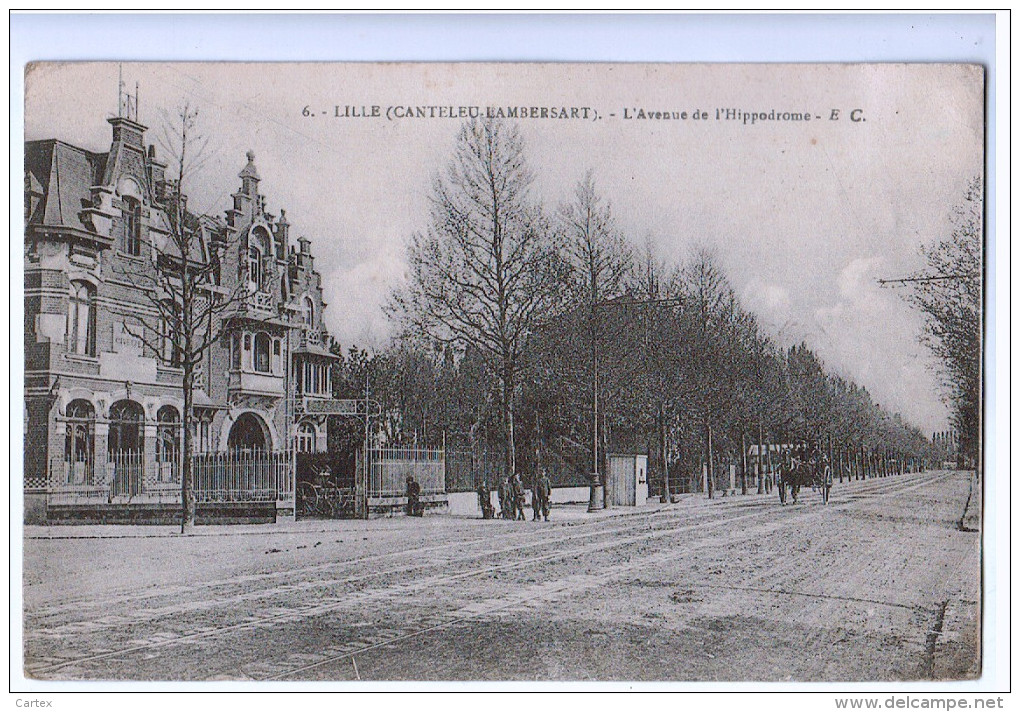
point(314, 378)
point(258, 352)
point(81, 319)
point(263, 346)
point(309, 312)
point(254, 268)
point(132, 226)
point(172, 347)
point(259, 247)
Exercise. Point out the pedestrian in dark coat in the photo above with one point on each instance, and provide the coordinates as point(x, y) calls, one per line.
point(517, 492)
point(484, 502)
point(536, 499)
point(505, 499)
point(544, 490)
point(414, 508)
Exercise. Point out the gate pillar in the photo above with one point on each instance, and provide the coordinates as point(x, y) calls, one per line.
point(361, 487)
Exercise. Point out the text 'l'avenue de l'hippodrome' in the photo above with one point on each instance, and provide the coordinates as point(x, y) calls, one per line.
point(399, 112)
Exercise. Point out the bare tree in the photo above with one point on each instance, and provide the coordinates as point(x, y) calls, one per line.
point(950, 295)
point(600, 260)
point(185, 302)
point(487, 270)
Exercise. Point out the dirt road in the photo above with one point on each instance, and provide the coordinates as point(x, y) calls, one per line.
point(880, 584)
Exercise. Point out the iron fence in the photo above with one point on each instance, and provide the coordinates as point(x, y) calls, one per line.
point(243, 476)
point(389, 469)
point(465, 471)
point(236, 476)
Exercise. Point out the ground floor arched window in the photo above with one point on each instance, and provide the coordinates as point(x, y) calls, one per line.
point(79, 442)
point(168, 444)
point(126, 448)
point(248, 433)
point(127, 421)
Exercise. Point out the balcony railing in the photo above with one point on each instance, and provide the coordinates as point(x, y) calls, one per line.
point(262, 302)
point(311, 337)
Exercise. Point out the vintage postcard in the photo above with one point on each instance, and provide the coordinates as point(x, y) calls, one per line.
point(503, 372)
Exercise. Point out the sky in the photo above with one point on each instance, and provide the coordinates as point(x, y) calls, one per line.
point(804, 216)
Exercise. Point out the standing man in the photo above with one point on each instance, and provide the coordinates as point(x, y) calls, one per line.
point(517, 493)
point(544, 491)
point(414, 508)
point(484, 501)
point(505, 498)
point(536, 499)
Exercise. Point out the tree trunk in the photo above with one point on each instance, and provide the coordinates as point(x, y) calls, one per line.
point(511, 449)
point(662, 449)
point(187, 417)
point(187, 494)
point(761, 471)
point(710, 472)
point(744, 464)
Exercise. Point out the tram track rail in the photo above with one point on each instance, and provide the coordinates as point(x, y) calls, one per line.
point(657, 525)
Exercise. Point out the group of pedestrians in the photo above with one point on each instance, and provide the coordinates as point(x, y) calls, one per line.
point(512, 498)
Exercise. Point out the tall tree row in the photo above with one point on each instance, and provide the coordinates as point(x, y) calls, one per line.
point(549, 337)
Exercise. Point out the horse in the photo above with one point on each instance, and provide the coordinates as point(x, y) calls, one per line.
point(795, 474)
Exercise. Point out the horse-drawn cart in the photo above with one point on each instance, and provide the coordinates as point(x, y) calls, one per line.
point(795, 474)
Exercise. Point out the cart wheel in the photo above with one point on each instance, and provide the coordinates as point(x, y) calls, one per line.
point(306, 500)
point(330, 502)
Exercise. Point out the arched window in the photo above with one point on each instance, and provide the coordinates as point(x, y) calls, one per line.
point(127, 420)
point(263, 345)
point(304, 440)
point(254, 268)
point(168, 444)
point(132, 215)
point(126, 459)
point(79, 442)
point(308, 315)
point(81, 319)
point(258, 247)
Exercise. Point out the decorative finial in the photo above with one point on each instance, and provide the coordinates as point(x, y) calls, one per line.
point(251, 156)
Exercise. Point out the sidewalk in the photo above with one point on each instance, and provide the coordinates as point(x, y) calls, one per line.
point(561, 513)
